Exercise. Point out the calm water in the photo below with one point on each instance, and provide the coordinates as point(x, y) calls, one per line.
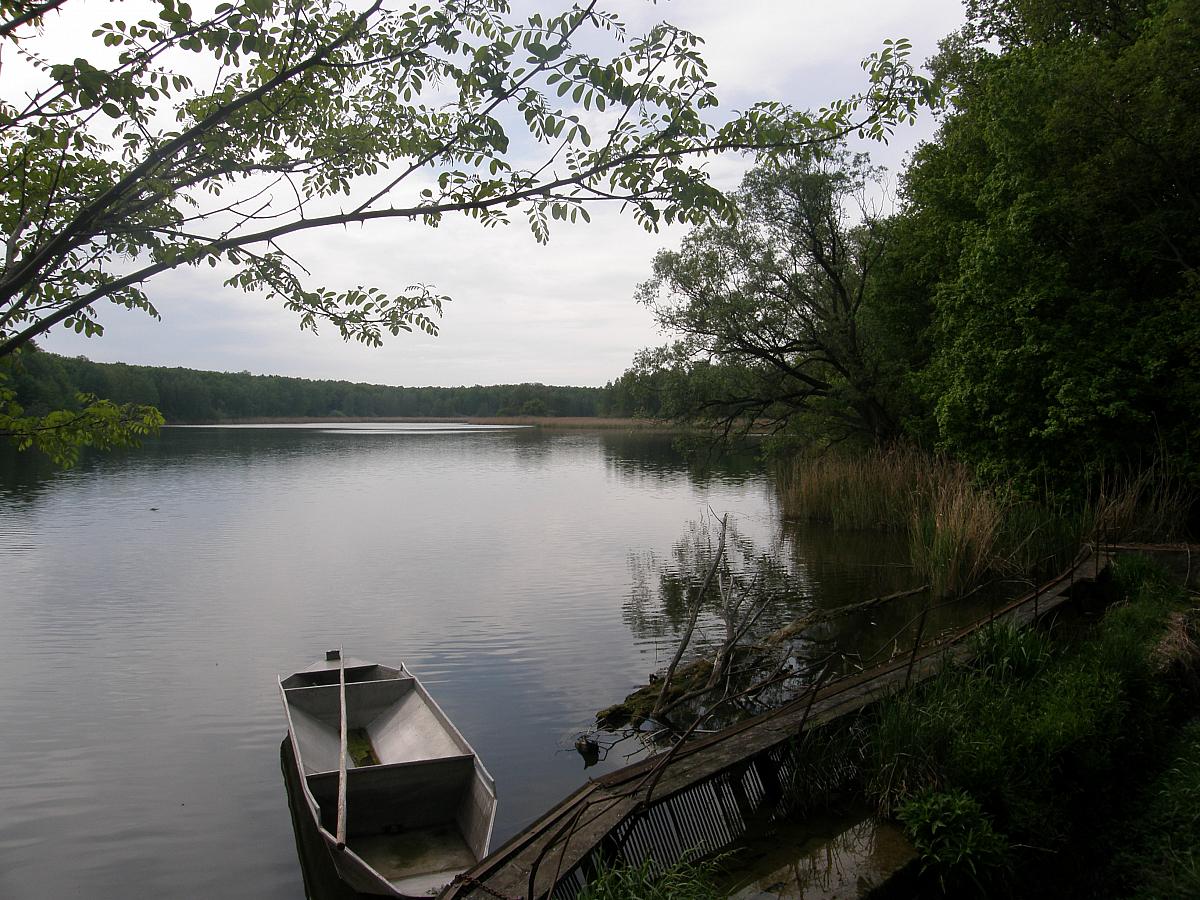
point(151, 598)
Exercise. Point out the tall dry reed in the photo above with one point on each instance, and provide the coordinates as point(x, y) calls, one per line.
point(1151, 505)
point(952, 523)
point(953, 538)
point(870, 490)
point(960, 531)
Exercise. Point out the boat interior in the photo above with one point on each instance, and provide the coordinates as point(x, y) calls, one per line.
point(419, 806)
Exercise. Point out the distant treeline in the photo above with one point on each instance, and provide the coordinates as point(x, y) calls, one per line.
point(46, 381)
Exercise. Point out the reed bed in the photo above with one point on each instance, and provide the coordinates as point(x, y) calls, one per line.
point(870, 490)
point(954, 531)
point(962, 531)
point(952, 522)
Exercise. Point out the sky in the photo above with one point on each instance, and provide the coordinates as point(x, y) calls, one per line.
point(562, 313)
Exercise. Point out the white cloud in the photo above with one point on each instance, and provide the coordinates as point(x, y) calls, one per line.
point(521, 312)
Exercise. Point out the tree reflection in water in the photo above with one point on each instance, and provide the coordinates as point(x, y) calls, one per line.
point(773, 620)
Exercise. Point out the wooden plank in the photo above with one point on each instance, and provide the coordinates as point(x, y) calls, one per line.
point(531, 863)
point(341, 800)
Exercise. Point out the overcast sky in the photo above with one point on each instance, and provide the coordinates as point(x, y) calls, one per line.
point(558, 314)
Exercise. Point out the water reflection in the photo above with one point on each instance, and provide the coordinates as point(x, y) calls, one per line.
point(23, 475)
point(805, 605)
point(663, 591)
point(321, 880)
point(790, 606)
point(797, 569)
point(820, 859)
point(647, 452)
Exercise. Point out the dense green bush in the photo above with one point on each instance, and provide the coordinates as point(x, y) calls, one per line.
point(1160, 857)
point(955, 838)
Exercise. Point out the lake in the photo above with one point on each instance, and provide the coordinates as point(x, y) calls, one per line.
point(150, 599)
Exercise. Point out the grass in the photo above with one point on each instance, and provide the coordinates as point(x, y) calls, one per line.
point(871, 490)
point(1032, 743)
point(1162, 855)
point(683, 881)
point(954, 531)
point(954, 525)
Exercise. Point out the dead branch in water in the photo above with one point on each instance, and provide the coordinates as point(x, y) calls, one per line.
point(691, 627)
point(820, 616)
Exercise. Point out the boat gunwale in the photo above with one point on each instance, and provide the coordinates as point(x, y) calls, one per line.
point(407, 676)
point(399, 673)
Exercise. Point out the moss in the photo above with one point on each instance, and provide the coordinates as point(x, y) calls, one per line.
point(636, 708)
point(358, 745)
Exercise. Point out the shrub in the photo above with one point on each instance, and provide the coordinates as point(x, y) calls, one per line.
point(1162, 855)
point(954, 838)
point(1038, 742)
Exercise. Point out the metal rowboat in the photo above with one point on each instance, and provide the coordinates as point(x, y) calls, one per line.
point(407, 805)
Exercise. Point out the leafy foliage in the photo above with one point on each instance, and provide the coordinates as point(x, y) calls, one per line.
point(647, 881)
point(116, 167)
point(1063, 190)
point(87, 422)
point(315, 96)
point(954, 837)
point(770, 311)
point(1031, 309)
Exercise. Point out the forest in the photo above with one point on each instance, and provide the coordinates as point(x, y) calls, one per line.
point(1022, 300)
point(47, 381)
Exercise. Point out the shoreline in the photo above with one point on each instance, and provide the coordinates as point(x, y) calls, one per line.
point(549, 422)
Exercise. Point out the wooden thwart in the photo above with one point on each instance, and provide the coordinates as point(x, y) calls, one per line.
point(341, 801)
point(702, 795)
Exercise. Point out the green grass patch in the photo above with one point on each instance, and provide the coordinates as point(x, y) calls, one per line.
point(1026, 746)
point(1161, 857)
point(683, 881)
